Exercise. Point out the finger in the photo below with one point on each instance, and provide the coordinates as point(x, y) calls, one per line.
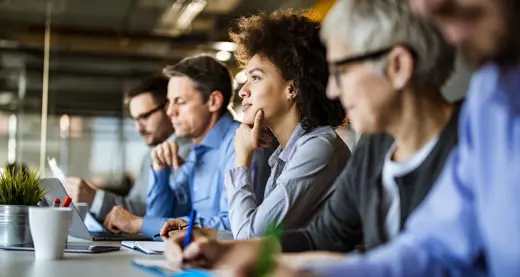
point(174, 155)
point(114, 229)
point(258, 120)
point(178, 237)
point(160, 155)
point(106, 222)
point(174, 258)
point(173, 253)
point(155, 155)
point(111, 225)
point(197, 248)
point(256, 127)
point(165, 229)
point(167, 153)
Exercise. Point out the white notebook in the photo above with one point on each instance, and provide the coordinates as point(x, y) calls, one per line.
point(147, 247)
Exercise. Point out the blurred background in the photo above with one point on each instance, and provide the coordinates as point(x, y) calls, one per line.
point(65, 66)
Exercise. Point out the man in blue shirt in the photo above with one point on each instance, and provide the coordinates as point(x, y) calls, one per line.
point(199, 92)
point(469, 223)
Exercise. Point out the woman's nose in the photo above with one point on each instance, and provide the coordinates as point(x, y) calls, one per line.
point(244, 92)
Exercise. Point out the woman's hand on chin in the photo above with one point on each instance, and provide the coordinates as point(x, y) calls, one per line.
point(247, 140)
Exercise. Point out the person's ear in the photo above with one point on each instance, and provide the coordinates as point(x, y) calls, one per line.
point(399, 67)
point(215, 101)
point(291, 91)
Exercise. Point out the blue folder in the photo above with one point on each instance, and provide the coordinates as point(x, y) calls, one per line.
point(157, 271)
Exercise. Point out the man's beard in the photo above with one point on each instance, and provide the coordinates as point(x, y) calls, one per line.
point(153, 140)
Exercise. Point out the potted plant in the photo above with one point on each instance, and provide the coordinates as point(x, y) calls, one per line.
point(19, 190)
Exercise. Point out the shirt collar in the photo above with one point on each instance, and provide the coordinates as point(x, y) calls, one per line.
point(216, 135)
point(285, 153)
point(172, 137)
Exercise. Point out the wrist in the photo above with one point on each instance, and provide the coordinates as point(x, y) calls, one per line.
point(243, 159)
point(138, 224)
point(157, 167)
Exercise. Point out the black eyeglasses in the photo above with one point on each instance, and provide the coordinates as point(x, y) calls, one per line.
point(144, 116)
point(335, 66)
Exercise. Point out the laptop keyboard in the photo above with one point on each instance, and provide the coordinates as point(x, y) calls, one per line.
point(116, 236)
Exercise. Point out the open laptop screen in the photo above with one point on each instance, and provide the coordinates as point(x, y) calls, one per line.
point(78, 227)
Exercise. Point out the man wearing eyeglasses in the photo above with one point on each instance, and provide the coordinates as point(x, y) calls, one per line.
point(469, 224)
point(147, 107)
point(389, 78)
point(199, 92)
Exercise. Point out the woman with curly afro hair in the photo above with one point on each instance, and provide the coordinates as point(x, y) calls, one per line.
point(287, 75)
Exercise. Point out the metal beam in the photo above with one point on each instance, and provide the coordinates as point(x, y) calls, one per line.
point(191, 39)
point(131, 73)
point(94, 57)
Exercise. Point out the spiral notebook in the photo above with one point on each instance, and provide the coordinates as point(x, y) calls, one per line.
point(147, 247)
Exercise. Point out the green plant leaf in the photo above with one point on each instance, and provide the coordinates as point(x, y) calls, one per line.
point(21, 188)
point(267, 255)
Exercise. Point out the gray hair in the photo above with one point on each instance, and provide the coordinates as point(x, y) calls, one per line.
point(370, 25)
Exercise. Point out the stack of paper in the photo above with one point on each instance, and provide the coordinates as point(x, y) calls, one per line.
point(147, 247)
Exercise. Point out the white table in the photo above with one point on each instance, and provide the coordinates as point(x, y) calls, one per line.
point(23, 264)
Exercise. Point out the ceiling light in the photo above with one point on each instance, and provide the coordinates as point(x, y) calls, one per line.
point(225, 46)
point(189, 13)
point(223, 56)
point(6, 98)
point(179, 17)
point(241, 77)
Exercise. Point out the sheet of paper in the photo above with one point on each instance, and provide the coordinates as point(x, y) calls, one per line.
point(92, 224)
point(148, 247)
point(55, 169)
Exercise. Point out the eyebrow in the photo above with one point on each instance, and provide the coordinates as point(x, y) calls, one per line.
point(255, 69)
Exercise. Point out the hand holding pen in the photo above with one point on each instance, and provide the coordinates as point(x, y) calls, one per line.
point(254, 257)
point(173, 225)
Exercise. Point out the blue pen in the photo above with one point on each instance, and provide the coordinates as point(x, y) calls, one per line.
point(189, 234)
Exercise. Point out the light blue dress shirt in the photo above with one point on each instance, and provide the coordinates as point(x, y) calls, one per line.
point(197, 185)
point(474, 209)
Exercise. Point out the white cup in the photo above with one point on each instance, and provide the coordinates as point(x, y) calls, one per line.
point(49, 230)
point(82, 209)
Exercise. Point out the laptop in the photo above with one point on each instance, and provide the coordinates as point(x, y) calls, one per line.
point(78, 227)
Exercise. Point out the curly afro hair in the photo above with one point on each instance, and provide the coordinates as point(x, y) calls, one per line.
point(291, 41)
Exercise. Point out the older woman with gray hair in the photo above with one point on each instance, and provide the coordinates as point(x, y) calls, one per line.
point(388, 68)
